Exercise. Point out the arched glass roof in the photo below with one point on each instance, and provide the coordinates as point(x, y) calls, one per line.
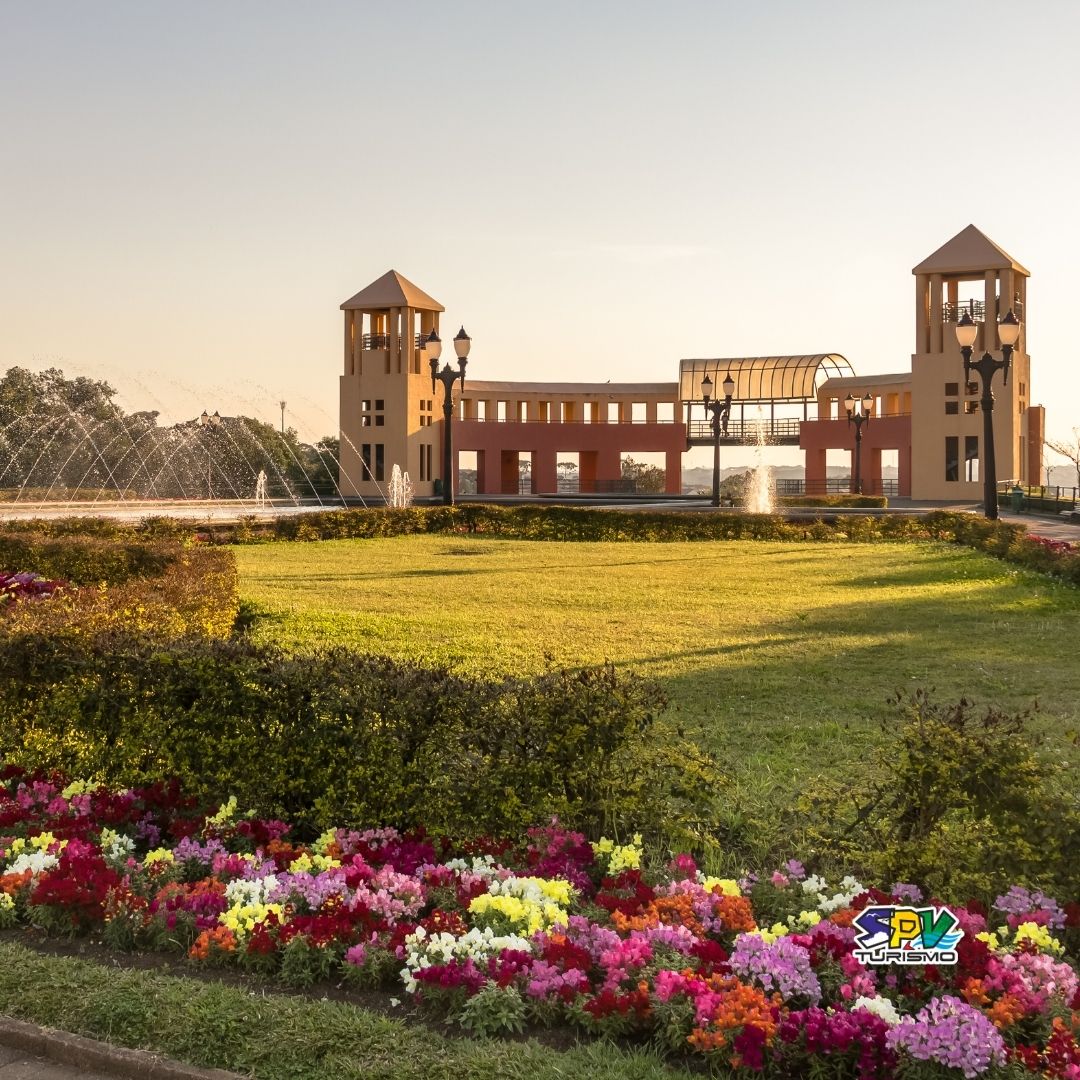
point(763, 378)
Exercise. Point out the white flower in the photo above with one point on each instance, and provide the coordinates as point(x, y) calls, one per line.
point(879, 1006)
point(37, 862)
point(814, 884)
point(251, 893)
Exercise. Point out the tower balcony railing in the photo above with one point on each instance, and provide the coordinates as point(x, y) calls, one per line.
point(774, 430)
point(952, 313)
point(370, 342)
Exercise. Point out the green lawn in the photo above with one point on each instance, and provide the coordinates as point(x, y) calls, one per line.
point(780, 655)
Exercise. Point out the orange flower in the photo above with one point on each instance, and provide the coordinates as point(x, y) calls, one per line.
point(13, 883)
point(974, 992)
point(735, 913)
point(220, 939)
point(1005, 1011)
point(740, 1004)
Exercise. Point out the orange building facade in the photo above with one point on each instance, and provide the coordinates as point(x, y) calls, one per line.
point(925, 419)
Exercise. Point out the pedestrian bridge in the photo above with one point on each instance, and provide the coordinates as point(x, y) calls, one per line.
point(764, 386)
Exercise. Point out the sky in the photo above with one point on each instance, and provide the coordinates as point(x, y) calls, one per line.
point(594, 189)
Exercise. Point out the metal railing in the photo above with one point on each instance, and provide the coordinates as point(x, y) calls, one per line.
point(952, 313)
point(563, 423)
point(370, 342)
point(777, 430)
point(1038, 499)
point(837, 485)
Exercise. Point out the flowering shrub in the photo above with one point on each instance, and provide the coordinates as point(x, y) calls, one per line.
point(758, 976)
point(26, 587)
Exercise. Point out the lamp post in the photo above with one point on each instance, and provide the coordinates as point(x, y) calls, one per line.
point(858, 419)
point(209, 424)
point(282, 404)
point(1008, 332)
point(719, 413)
point(448, 377)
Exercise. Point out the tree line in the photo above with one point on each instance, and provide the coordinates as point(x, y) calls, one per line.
point(68, 438)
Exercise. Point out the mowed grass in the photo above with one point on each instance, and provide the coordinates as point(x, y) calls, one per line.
point(778, 656)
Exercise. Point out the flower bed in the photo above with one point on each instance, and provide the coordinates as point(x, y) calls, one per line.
point(25, 586)
point(758, 975)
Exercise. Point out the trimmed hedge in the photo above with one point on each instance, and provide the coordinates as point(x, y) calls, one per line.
point(857, 502)
point(129, 580)
point(85, 560)
point(335, 736)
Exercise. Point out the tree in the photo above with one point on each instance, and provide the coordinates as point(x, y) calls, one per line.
point(1069, 449)
point(645, 478)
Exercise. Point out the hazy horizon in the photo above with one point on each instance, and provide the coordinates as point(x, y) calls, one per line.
point(594, 191)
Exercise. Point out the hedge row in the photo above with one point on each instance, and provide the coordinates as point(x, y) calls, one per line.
point(857, 502)
point(541, 522)
point(128, 581)
point(85, 560)
point(336, 736)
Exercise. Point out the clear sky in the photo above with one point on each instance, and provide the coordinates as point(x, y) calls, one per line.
point(595, 189)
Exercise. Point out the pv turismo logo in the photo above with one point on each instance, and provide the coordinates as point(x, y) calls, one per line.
point(888, 934)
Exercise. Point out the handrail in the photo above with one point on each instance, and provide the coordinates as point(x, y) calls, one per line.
point(373, 342)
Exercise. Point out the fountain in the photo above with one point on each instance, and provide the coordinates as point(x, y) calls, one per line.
point(760, 487)
point(400, 492)
point(67, 447)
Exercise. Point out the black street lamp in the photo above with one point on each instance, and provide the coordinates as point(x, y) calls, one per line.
point(858, 419)
point(1008, 332)
point(209, 424)
point(719, 413)
point(448, 377)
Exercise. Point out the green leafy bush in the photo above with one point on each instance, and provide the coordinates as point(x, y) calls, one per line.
point(855, 501)
point(196, 594)
point(545, 522)
point(84, 560)
point(338, 736)
point(958, 800)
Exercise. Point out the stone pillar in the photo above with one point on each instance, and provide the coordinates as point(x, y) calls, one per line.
point(903, 471)
point(990, 300)
point(408, 344)
point(922, 313)
point(936, 327)
point(815, 471)
point(395, 342)
point(673, 472)
point(545, 475)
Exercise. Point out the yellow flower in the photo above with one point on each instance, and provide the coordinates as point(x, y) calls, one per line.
point(626, 857)
point(777, 930)
point(723, 885)
point(158, 855)
point(1038, 935)
point(226, 812)
point(990, 939)
point(324, 841)
point(78, 787)
point(242, 919)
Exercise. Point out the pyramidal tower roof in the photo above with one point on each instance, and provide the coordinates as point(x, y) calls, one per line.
point(391, 291)
point(968, 251)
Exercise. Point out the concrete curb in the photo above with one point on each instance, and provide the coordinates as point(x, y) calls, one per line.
point(83, 1053)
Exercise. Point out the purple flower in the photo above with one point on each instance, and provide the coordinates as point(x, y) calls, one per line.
point(903, 891)
point(1025, 905)
point(782, 965)
point(950, 1032)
